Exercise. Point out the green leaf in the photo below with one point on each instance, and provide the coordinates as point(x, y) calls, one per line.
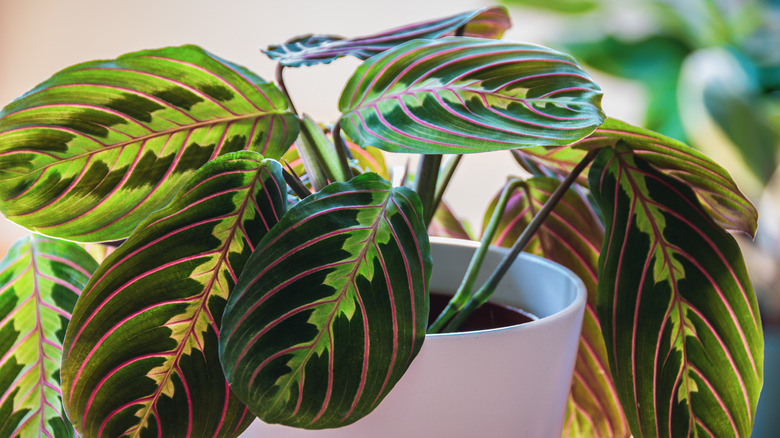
point(713, 185)
point(332, 307)
point(93, 150)
point(677, 308)
point(40, 281)
point(462, 95)
point(141, 351)
point(571, 236)
point(321, 49)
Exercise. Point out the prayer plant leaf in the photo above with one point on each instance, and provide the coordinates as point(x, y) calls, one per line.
point(93, 150)
point(677, 309)
point(713, 185)
point(141, 351)
point(571, 236)
point(332, 307)
point(462, 95)
point(40, 281)
point(320, 49)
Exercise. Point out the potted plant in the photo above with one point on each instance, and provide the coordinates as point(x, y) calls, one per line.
point(238, 288)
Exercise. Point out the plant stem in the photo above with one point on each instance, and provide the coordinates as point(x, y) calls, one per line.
point(283, 87)
point(482, 295)
point(425, 184)
point(445, 175)
point(341, 149)
point(461, 297)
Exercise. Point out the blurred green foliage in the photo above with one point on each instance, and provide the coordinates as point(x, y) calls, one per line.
point(711, 69)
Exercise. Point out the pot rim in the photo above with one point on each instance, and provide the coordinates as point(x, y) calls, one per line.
point(576, 304)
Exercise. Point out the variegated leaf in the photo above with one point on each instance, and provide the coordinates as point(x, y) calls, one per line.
point(40, 281)
point(319, 49)
point(677, 309)
point(712, 184)
point(461, 95)
point(141, 352)
point(571, 236)
point(93, 150)
point(332, 306)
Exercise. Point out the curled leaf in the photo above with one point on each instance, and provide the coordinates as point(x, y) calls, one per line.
point(320, 49)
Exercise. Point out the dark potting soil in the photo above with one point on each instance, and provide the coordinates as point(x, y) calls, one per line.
point(488, 316)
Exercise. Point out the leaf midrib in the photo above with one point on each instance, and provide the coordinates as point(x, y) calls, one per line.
point(328, 324)
point(151, 406)
point(676, 300)
point(144, 138)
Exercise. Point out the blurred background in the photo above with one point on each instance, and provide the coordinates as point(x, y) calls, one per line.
point(706, 72)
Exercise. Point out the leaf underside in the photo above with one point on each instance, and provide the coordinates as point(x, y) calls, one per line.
point(464, 95)
point(677, 309)
point(40, 281)
point(93, 150)
point(141, 351)
point(332, 306)
point(321, 49)
point(571, 236)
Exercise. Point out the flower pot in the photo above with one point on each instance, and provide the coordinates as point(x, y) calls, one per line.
point(504, 382)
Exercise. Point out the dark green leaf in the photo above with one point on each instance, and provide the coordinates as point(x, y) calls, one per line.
point(141, 352)
point(677, 309)
point(332, 306)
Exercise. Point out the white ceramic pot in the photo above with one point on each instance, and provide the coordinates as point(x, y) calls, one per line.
point(506, 382)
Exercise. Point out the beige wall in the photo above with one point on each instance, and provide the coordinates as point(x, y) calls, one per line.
point(39, 37)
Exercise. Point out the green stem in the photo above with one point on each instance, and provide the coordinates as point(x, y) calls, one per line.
point(283, 87)
point(445, 175)
point(482, 295)
point(461, 297)
point(341, 149)
point(425, 184)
